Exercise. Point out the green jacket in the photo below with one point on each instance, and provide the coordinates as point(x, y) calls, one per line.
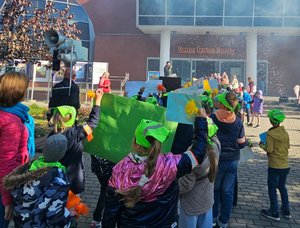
point(278, 144)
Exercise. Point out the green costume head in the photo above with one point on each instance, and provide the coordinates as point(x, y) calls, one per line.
point(67, 110)
point(222, 99)
point(276, 116)
point(150, 128)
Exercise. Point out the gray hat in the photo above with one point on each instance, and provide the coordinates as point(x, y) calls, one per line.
point(55, 148)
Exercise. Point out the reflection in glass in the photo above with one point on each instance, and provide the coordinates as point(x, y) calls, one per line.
point(238, 21)
point(209, 8)
point(153, 7)
point(269, 8)
point(238, 7)
point(209, 21)
point(179, 7)
point(180, 20)
point(151, 20)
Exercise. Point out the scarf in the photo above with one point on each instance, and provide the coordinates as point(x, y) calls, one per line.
point(225, 116)
point(21, 111)
point(40, 163)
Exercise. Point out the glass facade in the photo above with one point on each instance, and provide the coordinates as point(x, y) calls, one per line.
point(197, 68)
point(249, 13)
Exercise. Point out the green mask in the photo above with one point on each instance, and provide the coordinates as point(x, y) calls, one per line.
point(150, 128)
point(222, 99)
point(66, 110)
point(276, 116)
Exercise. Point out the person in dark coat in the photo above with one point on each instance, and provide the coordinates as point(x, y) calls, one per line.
point(63, 120)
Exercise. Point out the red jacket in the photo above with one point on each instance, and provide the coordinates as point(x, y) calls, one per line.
point(105, 85)
point(13, 148)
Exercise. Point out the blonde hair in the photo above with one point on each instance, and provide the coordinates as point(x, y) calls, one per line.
point(132, 196)
point(13, 86)
point(105, 74)
point(59, 122)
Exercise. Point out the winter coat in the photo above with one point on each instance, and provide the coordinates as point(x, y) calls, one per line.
point(195, 189)
point(157, 207)
point(73, 159)
point(277, 148)
point(39, 197)
point(13, 148)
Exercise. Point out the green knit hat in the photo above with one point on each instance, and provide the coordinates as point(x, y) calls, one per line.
point(150, 128)
point(276, 116)
point(67, 110)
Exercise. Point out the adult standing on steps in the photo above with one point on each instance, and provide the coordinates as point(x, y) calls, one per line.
point(62, 94)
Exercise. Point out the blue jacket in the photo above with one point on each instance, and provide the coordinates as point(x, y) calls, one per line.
point(247, 98)
point(39, 197)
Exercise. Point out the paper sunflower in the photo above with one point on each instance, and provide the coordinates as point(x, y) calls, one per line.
point(191, 108)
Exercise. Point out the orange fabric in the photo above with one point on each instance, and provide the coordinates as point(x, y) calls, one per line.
point(88, 130)
point(74, 204)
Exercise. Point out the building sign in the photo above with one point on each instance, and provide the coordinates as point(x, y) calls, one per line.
point(205, 51)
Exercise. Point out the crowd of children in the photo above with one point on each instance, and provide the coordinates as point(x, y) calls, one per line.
point(143, 189)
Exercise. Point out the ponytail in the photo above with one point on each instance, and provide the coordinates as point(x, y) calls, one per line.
point(213, 163)
point(132, 196)
point(59, 122)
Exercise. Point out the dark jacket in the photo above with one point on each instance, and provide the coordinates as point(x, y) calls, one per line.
point(161, 212)
point(60, 94)
point(39, 197)
point(228, 134)
point(73, 160)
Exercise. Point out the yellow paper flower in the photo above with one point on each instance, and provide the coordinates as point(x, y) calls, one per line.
point(191, 108)
point(187, 84)
point(91, 94)
point(215, 92)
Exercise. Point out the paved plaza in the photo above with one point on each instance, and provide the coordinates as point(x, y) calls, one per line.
point(252, 177)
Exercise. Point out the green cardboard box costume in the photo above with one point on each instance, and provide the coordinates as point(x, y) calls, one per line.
point(119, 118)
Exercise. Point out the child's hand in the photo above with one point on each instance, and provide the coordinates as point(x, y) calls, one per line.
point(201, 113)
point(99, 95)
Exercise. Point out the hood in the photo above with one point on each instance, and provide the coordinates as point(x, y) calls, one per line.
point(22, 175)
point(127, 174)
point(279, 134)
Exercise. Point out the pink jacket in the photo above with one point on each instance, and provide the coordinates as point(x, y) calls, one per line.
point(105, 85)
point(13, 148)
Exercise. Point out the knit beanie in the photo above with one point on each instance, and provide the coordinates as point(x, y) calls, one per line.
point(55, 148)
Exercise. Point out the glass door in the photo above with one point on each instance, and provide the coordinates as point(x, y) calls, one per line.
point(182, 68)
point(203, 68)
point(234, 68)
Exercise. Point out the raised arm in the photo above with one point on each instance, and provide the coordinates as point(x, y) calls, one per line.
point(195, 155)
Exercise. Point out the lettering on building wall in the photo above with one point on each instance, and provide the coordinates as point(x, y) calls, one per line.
point(205, 51)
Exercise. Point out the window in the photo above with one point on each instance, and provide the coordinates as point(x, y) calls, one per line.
point(84, 28)
point(151, 20)
point(180, 20)
point(209, 21)
point(268, 21)
point(183, 69)
point(238, 21)
point(209, 7)
point(153, 64)
point(238, 7)
point(153, 7)
point(292, 8)
point(269, 8)
point(292, 22)
point(180, 7)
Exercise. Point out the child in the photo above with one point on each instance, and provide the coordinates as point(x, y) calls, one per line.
point(277, 147)
point(63, 120)
point(15, 143)
point(40, 188)
point(197, 188)
point(143, 189)
point(247, 100)
point(232, 138)
point(257, 110)
point(102, 168)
